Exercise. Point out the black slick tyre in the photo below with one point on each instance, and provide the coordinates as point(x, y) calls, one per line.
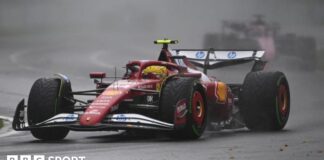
point(183, 100)
point(265, 101)
point(44, 103)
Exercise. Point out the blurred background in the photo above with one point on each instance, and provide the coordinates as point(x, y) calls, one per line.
point(289, 27)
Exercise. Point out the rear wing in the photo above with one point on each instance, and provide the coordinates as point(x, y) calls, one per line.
point(212, 59)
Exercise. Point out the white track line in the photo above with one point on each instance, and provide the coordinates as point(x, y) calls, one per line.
point(6, 118)
point(11, 132)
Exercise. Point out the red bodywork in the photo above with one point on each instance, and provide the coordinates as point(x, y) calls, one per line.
point(123, 89)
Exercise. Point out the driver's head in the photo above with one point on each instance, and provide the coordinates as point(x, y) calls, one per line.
point(157, 71)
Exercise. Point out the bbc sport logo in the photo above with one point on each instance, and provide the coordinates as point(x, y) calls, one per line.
point(25, 157)
point(43, 157)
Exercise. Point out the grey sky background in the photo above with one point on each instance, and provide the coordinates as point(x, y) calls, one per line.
point(187, 20)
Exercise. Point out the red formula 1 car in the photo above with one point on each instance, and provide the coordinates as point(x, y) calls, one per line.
point(168, 94)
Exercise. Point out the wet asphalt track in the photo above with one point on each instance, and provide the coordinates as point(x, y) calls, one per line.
point(23, 60)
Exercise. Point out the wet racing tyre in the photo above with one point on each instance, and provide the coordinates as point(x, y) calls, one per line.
point(44, 103)
point(183, 104)
point(265, 101)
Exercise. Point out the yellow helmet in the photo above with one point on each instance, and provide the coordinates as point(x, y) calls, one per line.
point(159, 71)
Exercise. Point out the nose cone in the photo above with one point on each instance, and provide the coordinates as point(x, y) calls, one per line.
point(101, 106)
point(91, 117)
point(104, 103)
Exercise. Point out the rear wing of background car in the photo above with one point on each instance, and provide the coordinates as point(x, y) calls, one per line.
point(212, 59)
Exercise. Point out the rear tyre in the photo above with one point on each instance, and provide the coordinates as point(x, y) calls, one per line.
point(183, 104)
point(44, 103)
point(265, 101)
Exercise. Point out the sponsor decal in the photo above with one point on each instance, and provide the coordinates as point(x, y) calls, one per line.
point(221, 92)
point(43, 157)
point(105, 97)
point(112, 92)
point(231, 54)
point(71, 118)
point(93, 112)
point(181, 108)
point(123, 84)
point(137, 120)
point(102, 101)
point(98, 104)
point(146, 86)
point(200, 54)
point(149, 99)
point(121, 118)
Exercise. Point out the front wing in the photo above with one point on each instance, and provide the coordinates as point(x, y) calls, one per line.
point(71, 121)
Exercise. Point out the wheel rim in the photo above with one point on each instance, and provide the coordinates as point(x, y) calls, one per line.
point(283, 100)
point(198, 108)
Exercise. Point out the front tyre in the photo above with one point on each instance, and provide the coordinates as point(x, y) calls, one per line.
point(265, 101)
point(44, 103)
point(183, 104)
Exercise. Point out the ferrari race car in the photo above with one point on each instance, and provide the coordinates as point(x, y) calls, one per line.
point(169, 94)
